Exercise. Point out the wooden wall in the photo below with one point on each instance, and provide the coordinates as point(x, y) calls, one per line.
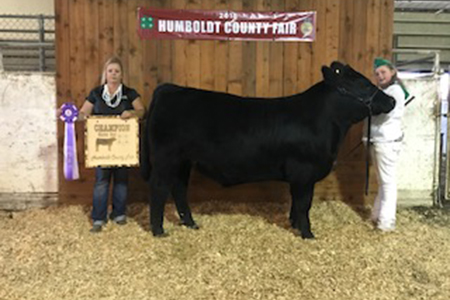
point(89, 31)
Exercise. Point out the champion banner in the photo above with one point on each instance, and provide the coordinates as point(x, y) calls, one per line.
point(226, 25)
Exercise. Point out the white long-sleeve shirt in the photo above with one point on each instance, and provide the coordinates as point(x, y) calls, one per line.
point(388, 127)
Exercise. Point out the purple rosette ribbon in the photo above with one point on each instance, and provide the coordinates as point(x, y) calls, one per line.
point(69, 114)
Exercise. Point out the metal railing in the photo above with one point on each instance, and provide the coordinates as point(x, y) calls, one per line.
point(27, 42)
point(414, 33)
point(431, 57)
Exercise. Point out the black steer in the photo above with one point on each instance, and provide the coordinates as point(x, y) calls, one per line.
point(236, 140)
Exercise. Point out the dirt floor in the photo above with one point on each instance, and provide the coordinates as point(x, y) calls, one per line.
point(242, 251)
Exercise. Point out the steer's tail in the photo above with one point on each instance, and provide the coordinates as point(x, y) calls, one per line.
point(145, 165)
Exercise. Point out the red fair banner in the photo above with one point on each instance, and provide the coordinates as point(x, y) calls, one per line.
point(226, 25)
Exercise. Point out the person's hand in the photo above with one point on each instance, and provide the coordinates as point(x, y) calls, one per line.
point(127, 114)
point(58, 112)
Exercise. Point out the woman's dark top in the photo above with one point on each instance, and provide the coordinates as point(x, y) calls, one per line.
point(100, 106)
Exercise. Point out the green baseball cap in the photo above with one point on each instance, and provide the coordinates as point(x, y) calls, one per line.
point(378, 62)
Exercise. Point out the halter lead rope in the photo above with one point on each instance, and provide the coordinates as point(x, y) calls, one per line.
point(369, 120)
point(367, 103)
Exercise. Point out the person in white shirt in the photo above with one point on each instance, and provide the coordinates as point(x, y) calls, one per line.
point(386, 137)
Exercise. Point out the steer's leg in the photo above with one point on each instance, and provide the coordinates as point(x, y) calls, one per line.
point(293, 218)
point(179, 193)
point(302, 196)
point(159, 191)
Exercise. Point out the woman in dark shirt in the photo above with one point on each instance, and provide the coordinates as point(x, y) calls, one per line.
point(111, 98)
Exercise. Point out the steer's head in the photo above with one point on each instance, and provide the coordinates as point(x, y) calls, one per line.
point(354, 85)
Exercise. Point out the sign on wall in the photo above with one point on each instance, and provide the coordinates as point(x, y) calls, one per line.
point(156, 23)
point(111, 141)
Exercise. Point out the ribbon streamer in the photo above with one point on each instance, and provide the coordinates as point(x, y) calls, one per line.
point(69, 114)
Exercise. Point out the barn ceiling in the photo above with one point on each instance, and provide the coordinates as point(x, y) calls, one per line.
point(437, 6)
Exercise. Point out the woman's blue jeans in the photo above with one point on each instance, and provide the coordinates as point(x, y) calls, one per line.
point(101, 192)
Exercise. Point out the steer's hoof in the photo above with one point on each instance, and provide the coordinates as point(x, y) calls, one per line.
point(307, 235)
point(193, 226)
point(159, 232)
point(294, 224)
point(190, 225)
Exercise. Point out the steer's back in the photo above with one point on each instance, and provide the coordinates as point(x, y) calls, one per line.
point(230, 138)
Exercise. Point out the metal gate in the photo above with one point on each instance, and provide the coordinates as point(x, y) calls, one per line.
point(418, 173)
point(27, 42)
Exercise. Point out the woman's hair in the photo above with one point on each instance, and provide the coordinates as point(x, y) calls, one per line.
point(395, 79)
point(112, 60)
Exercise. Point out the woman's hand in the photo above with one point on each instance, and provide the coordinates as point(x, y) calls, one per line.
point(127, 114)
point(58, 112)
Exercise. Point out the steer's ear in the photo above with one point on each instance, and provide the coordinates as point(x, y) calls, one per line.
point(337, 67)
point(332, 77)
point(352, 73)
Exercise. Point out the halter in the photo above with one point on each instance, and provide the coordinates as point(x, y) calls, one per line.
point(368, 103)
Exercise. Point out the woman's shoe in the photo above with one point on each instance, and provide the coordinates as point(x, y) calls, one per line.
point(96, 228)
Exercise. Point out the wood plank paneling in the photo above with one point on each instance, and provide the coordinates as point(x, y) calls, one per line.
point(77, 54)
point(373, 29)
point(235, 51)
point(77, 50)
point(332, 30)
point(135, 53)
point(92, 75)
point(359, 35)
point(275, 59)
point(90, 31)
point(154, 61)
point(120, 35)
point(207, 57)
point(62, 26)
point(179, 75)
point(248, 58)
point(319, 47)
point(262, 58)
point(386, 28)
point(304, 56)
point(290, 57)
point(63, 86)
point(106, 30)
point(78, 65)
point(193, 54)
point(346, 29)
point(221, 56)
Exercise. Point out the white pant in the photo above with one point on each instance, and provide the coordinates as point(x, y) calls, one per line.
point(385, 157)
